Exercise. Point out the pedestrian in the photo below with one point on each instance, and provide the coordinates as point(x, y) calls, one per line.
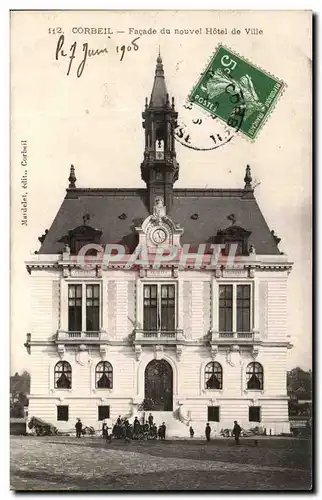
point(107, 436)
point(104, 430)
point(236, 431)
point(136, 425)
point(192, 432)
point(119, 420)
point(160, 432)
point(208, 431)
point(150, 419)
point(163, 431)
point(78, 427)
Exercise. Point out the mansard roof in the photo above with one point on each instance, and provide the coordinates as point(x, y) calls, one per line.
point(200, 212)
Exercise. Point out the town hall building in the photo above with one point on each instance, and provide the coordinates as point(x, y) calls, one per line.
point(189, 341)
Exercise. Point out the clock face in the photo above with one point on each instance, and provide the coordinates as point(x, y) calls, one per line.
point(159, 235)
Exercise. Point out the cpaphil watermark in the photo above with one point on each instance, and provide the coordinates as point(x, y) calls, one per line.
point(208, 257)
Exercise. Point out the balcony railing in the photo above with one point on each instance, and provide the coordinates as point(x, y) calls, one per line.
point(235, 336)
point(63, 335)
point(158, 336)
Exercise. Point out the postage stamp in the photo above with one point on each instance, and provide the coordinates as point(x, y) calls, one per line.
point(228, 75)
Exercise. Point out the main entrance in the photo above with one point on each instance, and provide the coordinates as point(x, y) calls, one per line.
point(159, 386)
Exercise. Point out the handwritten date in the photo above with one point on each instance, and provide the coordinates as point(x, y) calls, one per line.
point(86, 52)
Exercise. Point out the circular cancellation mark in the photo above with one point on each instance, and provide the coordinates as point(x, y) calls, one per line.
point(203, 131)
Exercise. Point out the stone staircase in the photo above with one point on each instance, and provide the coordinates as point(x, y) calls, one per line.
point(175, 428)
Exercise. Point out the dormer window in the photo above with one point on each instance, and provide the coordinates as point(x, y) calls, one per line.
point(79, 237)
point(234, 235)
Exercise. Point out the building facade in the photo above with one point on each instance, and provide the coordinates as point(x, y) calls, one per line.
point(156, 322)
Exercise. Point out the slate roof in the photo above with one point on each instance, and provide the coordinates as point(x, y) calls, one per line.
point(200, 212)
point(209, 208)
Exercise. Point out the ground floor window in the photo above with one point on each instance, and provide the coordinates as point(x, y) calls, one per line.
point(213, 414)
point(103, 412)
point(62, 413)
point(254, 414)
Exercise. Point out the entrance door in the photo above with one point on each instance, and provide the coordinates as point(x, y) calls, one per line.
point(159, 386)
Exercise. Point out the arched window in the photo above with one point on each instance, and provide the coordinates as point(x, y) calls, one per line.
point(104, 375)
point(255, 376)
point(213, 376)
point(63, 375)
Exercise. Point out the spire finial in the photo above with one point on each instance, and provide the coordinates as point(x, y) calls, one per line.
point(248, 179)
point(159, 69)
point(72, 178)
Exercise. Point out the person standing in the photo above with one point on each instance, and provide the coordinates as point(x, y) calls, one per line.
point(163, 430)
point(192, 432)
point(136, 426)
point(236, 431)
point(208, 431)
point(78, 427)
point(150, 419)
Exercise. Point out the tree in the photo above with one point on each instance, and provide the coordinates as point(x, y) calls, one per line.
point(19, 389)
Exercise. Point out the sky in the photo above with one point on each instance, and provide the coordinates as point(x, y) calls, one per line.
point(94, 122)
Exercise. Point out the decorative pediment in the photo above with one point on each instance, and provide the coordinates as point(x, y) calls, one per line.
point(80, 236)
point(234, 235)
point(159, 230)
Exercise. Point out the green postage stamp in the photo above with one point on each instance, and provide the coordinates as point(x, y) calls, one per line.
point(231, 80)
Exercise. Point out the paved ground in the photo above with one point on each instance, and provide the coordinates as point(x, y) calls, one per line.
point(64, 463)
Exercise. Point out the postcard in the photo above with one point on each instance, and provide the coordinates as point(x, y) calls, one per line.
point(161, 238)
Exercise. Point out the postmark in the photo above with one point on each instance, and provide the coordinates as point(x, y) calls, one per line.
point(229, 74)
point(206, 131)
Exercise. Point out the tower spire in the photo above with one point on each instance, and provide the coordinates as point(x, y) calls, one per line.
point(159, 168)
point(159, 90)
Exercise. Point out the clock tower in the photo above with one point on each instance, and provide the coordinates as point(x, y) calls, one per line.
point(159, 168)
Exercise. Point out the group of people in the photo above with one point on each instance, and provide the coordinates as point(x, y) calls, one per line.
point(123, 429)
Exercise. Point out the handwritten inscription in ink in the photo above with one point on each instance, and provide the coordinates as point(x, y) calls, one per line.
point(81, 52)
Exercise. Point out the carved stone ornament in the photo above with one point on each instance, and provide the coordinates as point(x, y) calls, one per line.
point(251, 272)
point(214, 351)
point(138, 352)
point(255, 352)
point(179, 350)
point(218, 272)
point(159, 210)
point(61, 350)
point(103, 351)
point(82, 356)
point(158, 351)
point(142, 272)
point(66, 271)
point(233, 356)
point(175, 272)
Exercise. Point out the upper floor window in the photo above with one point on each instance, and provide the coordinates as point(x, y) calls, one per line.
point(104, 375)
point(213, 376)
point(234, 308)
point(159, 307)
point(255, 376)
point(63, 375)
point(235, 238)
point(243, 308)
point(81, 236)
point(225, 308)
point(83, 317)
